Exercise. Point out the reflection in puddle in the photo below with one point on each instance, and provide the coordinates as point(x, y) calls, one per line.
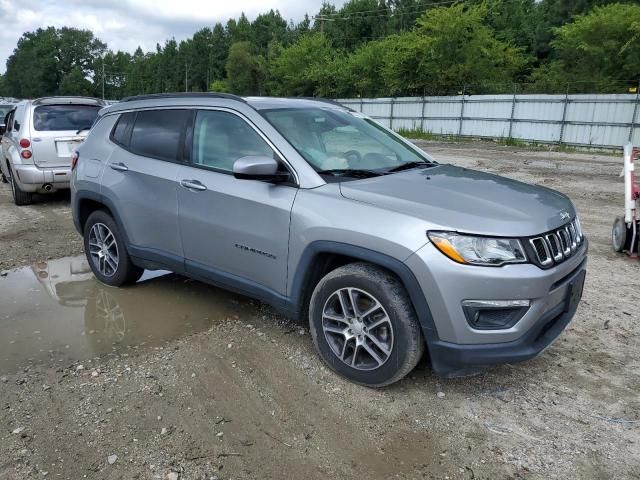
point(57, 311)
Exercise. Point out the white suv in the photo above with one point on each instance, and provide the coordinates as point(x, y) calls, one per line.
point(40, 137)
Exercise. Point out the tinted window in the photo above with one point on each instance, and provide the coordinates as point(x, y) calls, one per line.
point(122, 130)
point(157, 133)
point(50, 118)
point(220, 138)
point(4, 109)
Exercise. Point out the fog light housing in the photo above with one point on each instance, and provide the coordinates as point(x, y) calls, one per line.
point(494, 314)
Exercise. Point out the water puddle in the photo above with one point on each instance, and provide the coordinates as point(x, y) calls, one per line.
point(56, 311)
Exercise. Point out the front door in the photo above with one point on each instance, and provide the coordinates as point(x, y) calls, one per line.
point(237, 230)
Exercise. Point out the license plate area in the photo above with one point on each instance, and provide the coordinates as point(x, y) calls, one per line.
point(574, 292)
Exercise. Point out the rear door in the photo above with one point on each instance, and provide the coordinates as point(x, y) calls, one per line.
point(232, 228)
point(141, 180)
point(57, 130)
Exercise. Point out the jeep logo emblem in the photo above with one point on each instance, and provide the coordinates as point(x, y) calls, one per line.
point(565, 216)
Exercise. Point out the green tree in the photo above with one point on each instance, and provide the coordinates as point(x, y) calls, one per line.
point(245, 71)
point(299, 68)
point(450, 47)
point(75, 83)
point(596, 51)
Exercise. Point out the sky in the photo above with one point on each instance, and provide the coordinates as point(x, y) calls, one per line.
point(127, 24)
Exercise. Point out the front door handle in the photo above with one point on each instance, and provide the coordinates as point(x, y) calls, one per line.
point(193, 185)
point(120, 167)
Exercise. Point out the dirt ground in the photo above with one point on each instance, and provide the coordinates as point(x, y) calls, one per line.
point(237, 392)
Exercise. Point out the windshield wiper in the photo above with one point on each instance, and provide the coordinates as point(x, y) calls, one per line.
point(409, 165)
point(350, 172)
point(82, 129)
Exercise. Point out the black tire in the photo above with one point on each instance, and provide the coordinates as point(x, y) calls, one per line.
point(406, 342)
point(125, 272)
point(20, 197)
point(620, 235)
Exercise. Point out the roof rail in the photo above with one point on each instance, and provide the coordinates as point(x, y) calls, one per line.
point(152, 96)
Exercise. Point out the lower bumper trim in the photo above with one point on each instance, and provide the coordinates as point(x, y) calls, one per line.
point(454, 360)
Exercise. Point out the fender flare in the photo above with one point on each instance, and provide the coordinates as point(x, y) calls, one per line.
point(399, 268)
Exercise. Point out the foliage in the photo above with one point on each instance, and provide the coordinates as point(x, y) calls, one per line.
point(602, 46)
point(362, 48)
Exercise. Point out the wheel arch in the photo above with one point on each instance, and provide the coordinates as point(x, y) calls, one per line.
point(321, 257)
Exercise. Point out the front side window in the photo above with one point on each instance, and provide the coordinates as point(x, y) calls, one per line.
point(53, 118)
point(158, 133)
point(221, 138)
point(331, 139)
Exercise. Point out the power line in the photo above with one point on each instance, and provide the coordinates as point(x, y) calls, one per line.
point(389, 11)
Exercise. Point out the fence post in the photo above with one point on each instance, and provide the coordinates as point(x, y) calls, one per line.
point(361, 104)
point(635, 112)
point(464, 88)
point(424, 103)
point(513, 109)
point(391, 114)
point(564, 116)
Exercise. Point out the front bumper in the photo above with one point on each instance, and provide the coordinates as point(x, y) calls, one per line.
point(454, 346)
point(31, 178)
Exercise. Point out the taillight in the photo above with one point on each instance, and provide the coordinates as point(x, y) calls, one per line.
point(25, 143)
point(74, 160)
point(25, 154)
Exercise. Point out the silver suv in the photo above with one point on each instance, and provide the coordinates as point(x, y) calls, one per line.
point(38, 141)
point(335, 220)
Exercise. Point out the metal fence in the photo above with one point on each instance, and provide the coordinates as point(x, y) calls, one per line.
point(603, 121)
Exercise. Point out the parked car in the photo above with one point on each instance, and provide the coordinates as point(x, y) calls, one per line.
point(5, 108)
point(38, 142)
point(332, 218)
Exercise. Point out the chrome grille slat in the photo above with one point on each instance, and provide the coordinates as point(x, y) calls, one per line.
point(558, 245)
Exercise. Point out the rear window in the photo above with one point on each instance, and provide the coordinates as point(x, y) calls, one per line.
point(157, 133)
point(48, 118)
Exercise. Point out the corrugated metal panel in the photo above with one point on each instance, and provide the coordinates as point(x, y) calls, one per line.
point(589, 120)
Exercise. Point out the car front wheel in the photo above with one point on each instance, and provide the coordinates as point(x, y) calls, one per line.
point(364, 326)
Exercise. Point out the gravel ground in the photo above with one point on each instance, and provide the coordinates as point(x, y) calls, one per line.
point(248, 398)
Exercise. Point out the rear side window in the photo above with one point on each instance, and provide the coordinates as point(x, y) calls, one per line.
point(158, 133)
point(122, 130)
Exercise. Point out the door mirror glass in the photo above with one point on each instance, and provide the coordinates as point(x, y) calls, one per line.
point(258, 167)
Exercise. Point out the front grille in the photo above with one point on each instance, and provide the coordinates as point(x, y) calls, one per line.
point(559, 245)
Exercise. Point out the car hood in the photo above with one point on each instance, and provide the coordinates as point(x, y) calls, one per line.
point(455, 198)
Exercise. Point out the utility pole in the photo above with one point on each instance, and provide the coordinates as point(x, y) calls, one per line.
point(186, 76)
point(102, 78)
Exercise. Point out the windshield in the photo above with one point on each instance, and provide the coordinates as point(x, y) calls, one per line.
point(49, 118)
point(332, 139)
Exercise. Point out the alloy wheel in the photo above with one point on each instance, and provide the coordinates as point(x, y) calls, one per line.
point(103, 249)
point(357, 328)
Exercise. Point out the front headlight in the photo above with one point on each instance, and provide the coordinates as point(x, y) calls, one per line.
point(475, 250)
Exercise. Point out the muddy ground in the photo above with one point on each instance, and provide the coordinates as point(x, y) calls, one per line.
point(175, 379)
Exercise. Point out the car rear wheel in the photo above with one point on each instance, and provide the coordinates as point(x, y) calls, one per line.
point(106, 251)
point(363, 325)
point(20, 197)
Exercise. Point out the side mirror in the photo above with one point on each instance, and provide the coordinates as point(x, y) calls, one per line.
point(258, 167)
point(3, 128)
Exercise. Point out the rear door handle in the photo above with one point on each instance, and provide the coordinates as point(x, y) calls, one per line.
point(193, 185)
point(120, 167)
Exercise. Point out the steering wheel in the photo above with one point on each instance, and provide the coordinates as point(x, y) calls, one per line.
point(354, 154)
